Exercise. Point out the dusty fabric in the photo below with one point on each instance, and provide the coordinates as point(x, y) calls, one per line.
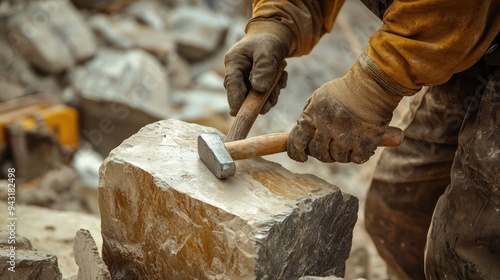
point(308, 20)
point(425, 42)
point(421, 43)
point(344, 120)
point(464, 238)
point(410, 178)
point(253, 62)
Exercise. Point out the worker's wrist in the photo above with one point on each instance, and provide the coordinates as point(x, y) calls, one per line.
point(389, 85)
point(372, 95)
point(275, 28)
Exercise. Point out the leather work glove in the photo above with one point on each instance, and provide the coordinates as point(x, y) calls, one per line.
point(253, 62)
point(344, 120)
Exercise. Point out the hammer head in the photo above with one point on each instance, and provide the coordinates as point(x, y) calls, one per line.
point(216, 157)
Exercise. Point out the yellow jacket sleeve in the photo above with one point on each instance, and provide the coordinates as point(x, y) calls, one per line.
point(425, 42)
point(307, 19)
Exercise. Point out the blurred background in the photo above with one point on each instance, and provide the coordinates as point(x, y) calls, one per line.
point(78, 77)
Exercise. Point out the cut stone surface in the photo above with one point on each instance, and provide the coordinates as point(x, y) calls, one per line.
point(164, 214)
point(90, 264)
point(29, 264)
point(198, 32)
point(52, 35)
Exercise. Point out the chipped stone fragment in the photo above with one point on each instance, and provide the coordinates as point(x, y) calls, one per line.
point(90, 264)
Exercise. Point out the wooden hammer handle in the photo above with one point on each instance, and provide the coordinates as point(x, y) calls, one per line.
point(276, 143)
point(250, 109)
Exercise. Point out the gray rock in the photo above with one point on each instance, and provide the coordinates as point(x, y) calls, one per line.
point(120, 92)
point(133, 77)
point(14, 67)
point(102, 25)
point(20, 241)
point(212, 81)
point(203, 107)
point(10, 88)
point(53, 231)
point(164, 213)
point(52, 35)
point(198, 32)
point(28, 265)
point(90, 264)
point(149, 12)
point(179, 72)
point(127, 33)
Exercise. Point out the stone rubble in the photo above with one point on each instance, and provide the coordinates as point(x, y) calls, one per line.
point(52, 35)
point(198, 32)
point(21, 241)
point(29, 264)
point(10, 89)
point(120, 91)
point(150, 13)
point(52, 232)
point(90, 264)
point(164, 213)
point(132, 77)
point(127, 33)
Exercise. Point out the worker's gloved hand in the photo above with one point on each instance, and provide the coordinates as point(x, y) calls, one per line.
point(254, 61)
point(344, 120)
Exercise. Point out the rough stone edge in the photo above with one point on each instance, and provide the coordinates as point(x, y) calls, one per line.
point(83, 239)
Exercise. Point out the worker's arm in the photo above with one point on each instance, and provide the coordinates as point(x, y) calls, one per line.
point(425, 42)
point(307, 20)
point(422, 42)
point(277, 29)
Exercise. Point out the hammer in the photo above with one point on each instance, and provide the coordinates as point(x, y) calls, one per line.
point(211, 149)
point(220, 157)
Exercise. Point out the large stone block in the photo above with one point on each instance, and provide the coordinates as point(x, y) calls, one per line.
point(165, 216)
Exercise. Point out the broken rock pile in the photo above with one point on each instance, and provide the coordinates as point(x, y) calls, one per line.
point(123, 64)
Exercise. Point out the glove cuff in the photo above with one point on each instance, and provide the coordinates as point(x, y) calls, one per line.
point(372, 95)
point(275, 28)
point(385, 81)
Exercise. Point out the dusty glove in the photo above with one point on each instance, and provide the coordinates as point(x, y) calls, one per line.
point(344, 120)
point(254, 61)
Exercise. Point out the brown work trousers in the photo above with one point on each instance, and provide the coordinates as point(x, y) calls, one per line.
point(434, 202)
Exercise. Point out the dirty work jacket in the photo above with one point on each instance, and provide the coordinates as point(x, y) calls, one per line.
point(421, 42)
